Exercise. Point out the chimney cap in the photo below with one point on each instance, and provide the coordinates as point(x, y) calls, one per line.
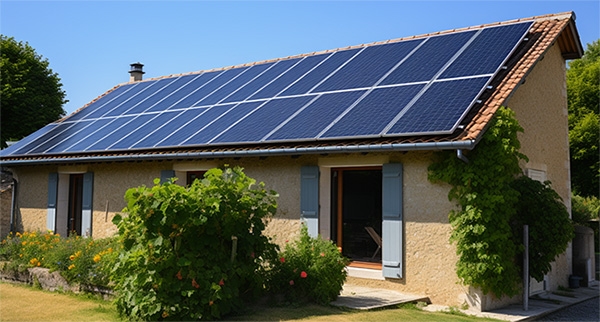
point(137, 68)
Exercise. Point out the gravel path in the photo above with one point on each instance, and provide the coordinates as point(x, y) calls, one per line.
point(585, 311)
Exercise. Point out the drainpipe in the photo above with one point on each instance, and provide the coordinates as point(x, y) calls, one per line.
point(12, 206)
point(460, 155)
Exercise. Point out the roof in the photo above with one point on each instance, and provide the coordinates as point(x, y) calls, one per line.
point(464, 134)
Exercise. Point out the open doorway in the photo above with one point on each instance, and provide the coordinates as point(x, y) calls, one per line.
point(356, 212)
point(75, 204)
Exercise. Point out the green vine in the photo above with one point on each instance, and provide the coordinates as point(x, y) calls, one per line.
point(484, 229)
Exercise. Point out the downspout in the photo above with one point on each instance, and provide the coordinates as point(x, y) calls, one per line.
point(460, 155)
point(13, 209)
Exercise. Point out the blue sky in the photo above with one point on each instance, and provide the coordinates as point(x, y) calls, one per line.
point(90, 44)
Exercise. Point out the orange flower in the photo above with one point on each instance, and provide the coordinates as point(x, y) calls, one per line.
point(211, 303)
point(178, 275)
point(322, 254)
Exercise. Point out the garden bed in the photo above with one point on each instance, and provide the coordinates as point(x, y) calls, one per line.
point(50, 281)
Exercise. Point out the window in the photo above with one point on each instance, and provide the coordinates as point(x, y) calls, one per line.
point(193, 175)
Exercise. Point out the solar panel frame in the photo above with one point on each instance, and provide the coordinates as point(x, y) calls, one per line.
point(252, 85)
point(161, 95)
point(27, 140)
point(254, 126)
point(301, 87)
point(112, 137)
point(96, 135)
point(237, 82)
point(150, 140)
point(193, 99)
point(378, 59)
point(120, 100)
point(100, 102)
point(441, 102)
point(142, 131)
point(289, 73)
point(72, 139)
point(174, 99)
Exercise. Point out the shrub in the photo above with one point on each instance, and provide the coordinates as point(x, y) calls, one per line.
point(193, 253)
point(310, 269)
point(550, 229)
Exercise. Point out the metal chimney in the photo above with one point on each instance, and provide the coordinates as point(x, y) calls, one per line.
point(136, 71)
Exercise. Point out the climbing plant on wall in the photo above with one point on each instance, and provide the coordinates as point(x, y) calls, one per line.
point(487, 241)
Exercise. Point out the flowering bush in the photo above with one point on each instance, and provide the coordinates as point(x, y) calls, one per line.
point(309, 269)
point(193, 253)
point(79, 260)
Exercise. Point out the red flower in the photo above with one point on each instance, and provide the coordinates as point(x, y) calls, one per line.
point(303, 274)
point(194, 284)
point(252, 254)
point(179, 277)
point(211, 303)
point(292, 282)
point(221, 282)
point(322, 254)
point(282, 260)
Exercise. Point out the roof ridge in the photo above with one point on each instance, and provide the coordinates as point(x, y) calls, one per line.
point(562, 15)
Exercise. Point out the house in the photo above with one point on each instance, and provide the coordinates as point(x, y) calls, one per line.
point(345, 137)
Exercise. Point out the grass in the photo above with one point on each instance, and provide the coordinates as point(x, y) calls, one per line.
point(24, 303)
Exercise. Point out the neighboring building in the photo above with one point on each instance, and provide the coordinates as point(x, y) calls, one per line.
point(344, 136)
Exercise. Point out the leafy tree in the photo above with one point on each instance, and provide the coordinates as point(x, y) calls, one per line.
point(31, 94)
point(583, 88)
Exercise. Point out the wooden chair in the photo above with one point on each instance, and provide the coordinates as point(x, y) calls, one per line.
point(376, 238)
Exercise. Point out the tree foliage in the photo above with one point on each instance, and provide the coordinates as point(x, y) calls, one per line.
point(492, 204)
point(550, 229)
point(31, 93)
point(583, 94)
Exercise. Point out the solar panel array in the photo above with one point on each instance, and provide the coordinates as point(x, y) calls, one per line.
point(422, 86)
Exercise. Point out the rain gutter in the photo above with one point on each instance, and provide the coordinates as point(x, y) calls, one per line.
point(359, 148)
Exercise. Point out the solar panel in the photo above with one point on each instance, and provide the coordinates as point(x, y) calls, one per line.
point(170, 125)
point(312, 119)
point(423, 86)
point(253, 127)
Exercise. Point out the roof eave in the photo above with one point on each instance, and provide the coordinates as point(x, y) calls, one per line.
point(358, 148)
point(569, 41)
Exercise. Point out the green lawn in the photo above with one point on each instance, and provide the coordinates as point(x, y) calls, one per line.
point(24, 303)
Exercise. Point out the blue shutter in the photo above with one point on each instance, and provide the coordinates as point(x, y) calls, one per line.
point(86, 205)
point(52, 200)
point(166, 175)
point(309, 198)
point(392, 227)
